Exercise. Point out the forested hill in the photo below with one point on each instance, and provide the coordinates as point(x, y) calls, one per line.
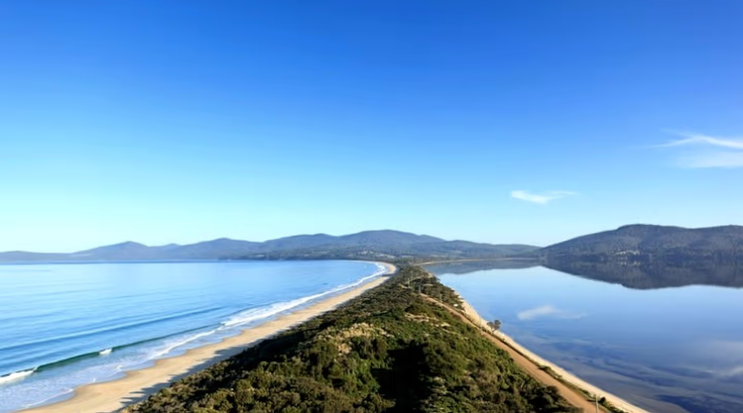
point(382, 245)
point(389, 350)
point(423, 251)
point(651, 242)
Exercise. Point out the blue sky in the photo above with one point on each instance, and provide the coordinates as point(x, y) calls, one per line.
point(507, 121)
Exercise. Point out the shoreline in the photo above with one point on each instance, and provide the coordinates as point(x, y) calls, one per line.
point(137, 385)
point(563, 375)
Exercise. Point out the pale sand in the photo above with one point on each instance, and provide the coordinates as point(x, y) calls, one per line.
point(137, 385)
point(539, 361)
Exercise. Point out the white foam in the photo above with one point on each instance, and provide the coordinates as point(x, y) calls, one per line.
point(172, 346)
point(19, 375)
point(106, 352)
point(66, 391)
point(265, 312)
point(273, 309)
point(256, 314)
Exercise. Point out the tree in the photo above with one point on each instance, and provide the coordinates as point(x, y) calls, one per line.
point(495, 325)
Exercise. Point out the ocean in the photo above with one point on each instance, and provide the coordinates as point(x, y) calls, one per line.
point(66, 325)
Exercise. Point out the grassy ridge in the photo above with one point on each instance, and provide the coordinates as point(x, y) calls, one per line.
point(388, 350)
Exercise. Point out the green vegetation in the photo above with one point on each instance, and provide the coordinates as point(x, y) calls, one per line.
point(648, 243)
point(383, 250)
point(389, 350)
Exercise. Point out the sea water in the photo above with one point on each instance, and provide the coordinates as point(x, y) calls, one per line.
point(66, 325)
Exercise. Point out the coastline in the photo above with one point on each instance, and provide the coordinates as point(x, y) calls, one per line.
point(541, 363)
point(137, 385)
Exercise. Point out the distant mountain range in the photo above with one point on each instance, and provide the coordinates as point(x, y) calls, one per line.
point(385, 244)
point(635, 256)
point(650, 243)
point(632, 243)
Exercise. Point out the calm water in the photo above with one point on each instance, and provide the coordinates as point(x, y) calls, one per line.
point(64, 325)
point(674, 349)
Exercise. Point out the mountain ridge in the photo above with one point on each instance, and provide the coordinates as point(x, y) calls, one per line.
point(628, 243)
point(374, 244)
point(643, 242)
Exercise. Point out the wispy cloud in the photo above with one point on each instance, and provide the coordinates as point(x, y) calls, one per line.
point(696, 150)
point(713, 160)
point(691, 138)
point(548, 311)
point(540, 198)
point(707, 355)
point(731, 372)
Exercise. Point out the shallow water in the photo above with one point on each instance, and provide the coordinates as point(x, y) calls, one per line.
point(676, 349)
point(64, 325)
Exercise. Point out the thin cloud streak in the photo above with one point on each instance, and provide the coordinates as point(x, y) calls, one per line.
point(548, 311)
point(731, 372)
point(713, 160)
point(704, 151)
point(540, 198)
point(699, 139)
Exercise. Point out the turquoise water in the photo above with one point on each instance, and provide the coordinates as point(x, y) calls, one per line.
point(672, 350)
point(65, 325)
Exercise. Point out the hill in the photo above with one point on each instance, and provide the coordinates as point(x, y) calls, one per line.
point(123, 251)
point(385, 244)
point(421, 251)
point(651, 242)
point(389, 350)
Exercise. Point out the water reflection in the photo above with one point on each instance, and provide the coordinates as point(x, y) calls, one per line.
point(651, 275)
point(465, 267)
point(638, 275)
point(669, 350)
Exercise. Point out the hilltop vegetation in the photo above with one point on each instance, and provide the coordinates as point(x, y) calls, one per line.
point(411, 252)
point(651, 242)
point(387, 351)
point(368, 245)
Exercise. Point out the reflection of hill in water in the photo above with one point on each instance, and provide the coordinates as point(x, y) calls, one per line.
point(465, 267)
point(651, 275)
point(638, 275)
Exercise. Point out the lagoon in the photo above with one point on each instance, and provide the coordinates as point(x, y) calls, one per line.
point(668, 349)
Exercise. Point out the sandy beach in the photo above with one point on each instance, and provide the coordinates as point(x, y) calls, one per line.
point(538, 362)
point(136, 385)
